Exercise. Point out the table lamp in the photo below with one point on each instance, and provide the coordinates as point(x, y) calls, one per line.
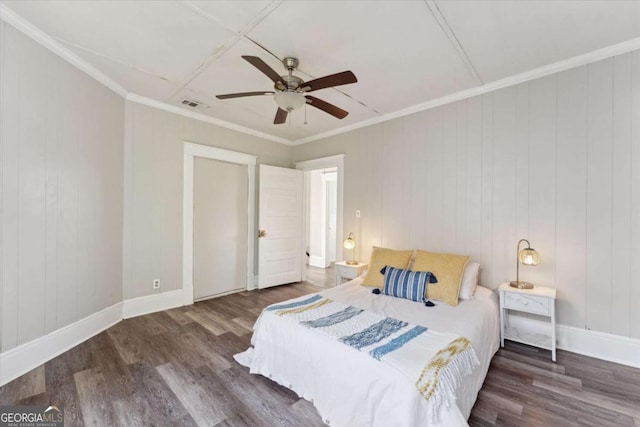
point(526, 256)
point(350, 243)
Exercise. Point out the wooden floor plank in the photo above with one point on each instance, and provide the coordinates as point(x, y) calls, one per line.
point(95, 402)
point(230, 403)
point(200, 405)
point(159, 396)
point(307, 412)
point(523, 368)
point(596, 399)
point(263, 398)
point(178, 315)
point(209, 324)
point(31, 383)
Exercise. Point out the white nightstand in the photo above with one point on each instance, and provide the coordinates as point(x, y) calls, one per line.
point(541, 301)
point(347, 271)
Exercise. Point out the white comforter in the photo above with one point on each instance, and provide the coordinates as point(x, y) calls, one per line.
point(350, 389)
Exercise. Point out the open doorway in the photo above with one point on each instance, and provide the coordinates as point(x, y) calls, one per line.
point(322, 212)
point(328, 175)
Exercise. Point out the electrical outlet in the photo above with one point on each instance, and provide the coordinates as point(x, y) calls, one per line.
point(357, 213)
point(156, 283)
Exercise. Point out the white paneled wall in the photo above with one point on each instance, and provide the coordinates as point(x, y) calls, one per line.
point(62, 173)
point(555, 160)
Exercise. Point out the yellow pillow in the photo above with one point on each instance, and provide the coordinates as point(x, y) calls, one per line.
point(448, 269)
point(381, 257)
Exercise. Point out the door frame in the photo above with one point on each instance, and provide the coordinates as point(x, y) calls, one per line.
point(191, 151)
point(325, 220)
point(336, 161)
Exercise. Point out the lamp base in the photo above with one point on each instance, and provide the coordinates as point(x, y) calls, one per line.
point(352, 263)
point(521, 285)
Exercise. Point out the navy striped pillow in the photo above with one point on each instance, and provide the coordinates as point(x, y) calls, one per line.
point(406, 284)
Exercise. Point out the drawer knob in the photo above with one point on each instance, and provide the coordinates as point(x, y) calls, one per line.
point(526, 302)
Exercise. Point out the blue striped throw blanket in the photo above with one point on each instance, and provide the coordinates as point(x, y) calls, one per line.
point(435, 362)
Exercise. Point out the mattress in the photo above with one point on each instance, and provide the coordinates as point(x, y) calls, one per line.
point(351, 389)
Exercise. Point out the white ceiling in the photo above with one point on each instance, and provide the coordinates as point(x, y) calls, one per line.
point(403, 52)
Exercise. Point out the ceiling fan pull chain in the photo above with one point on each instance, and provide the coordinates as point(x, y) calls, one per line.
point(305, 113)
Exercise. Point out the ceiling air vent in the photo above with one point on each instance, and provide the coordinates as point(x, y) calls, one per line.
point(194, 104)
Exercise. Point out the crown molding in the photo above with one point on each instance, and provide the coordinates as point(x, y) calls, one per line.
point(576, 61)
point(39, 36)
point(30, 30)
point(139, 99)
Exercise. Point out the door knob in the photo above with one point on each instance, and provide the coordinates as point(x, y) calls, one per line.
point(262, 233)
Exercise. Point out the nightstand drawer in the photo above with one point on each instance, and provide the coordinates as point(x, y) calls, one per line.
point(527, 303)
point(346, 272)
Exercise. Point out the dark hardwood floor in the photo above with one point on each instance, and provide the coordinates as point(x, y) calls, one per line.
point(524, 388)
point(323, 277)
point(176, 368)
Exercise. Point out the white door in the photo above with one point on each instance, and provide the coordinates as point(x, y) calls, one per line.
point(280, 226)
point(219, 228)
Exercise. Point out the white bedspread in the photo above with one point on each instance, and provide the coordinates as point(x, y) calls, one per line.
point(351, 390)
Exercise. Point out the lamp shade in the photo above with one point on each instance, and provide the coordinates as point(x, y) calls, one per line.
point(529, 256)
point(526, 256)
point(350, 242)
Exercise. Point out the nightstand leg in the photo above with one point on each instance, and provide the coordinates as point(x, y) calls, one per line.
point(553, 334)
point(502, 315)
point(502, 329)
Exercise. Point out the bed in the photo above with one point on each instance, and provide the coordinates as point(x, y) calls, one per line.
point(350, 388)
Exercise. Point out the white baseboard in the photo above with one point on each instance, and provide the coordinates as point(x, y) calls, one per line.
point(22, 359)
point(151, 303)
point(221, 294)
point(613, 348)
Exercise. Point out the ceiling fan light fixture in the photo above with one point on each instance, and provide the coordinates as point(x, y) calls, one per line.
point(289, 100)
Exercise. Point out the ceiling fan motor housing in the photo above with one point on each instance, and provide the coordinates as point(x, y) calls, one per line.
point(293, 83)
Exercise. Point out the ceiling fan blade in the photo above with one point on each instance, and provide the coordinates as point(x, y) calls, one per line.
point(281, 116)
point(326, 107)
point(265, 68)
point(343, 78)
point(242, 94)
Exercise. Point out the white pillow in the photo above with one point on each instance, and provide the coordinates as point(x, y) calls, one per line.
point(469, 280)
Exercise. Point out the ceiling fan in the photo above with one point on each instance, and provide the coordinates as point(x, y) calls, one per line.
point(291, 91)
